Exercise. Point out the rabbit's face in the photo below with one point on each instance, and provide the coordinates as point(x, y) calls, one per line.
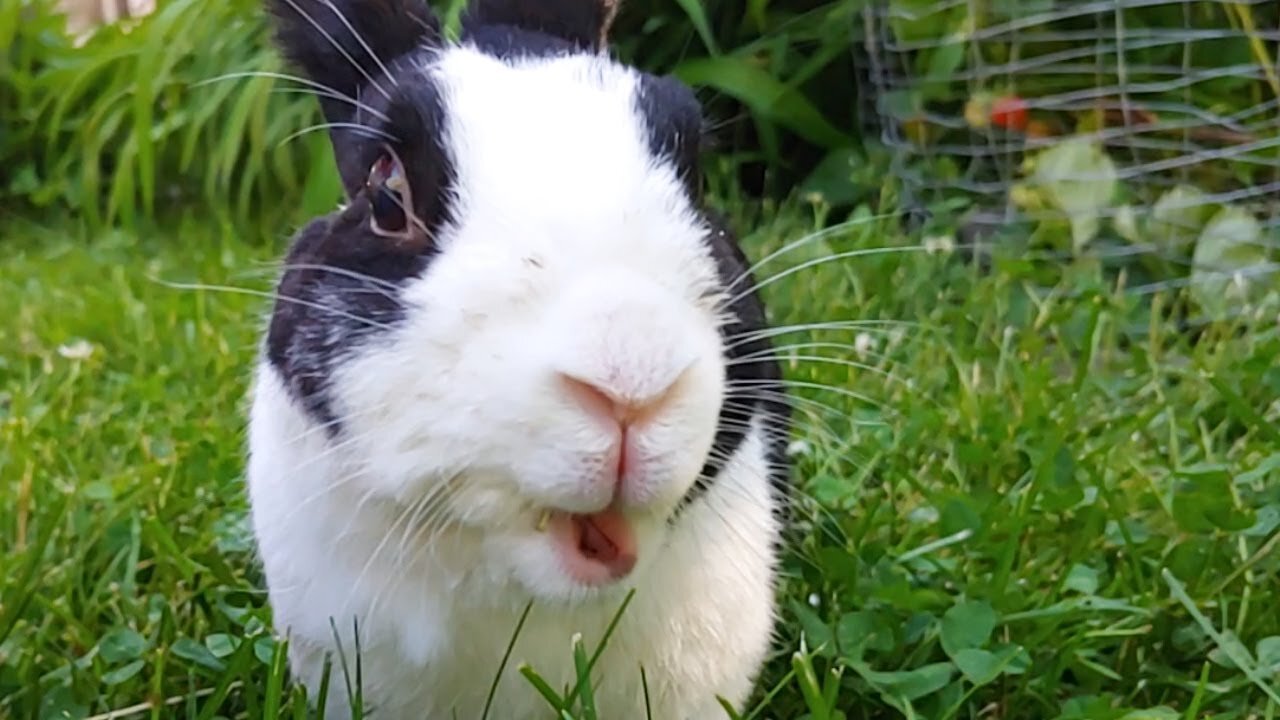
point(518, 329)
point(560, 350)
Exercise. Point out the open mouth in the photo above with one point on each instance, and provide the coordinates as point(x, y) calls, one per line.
point(595, 548)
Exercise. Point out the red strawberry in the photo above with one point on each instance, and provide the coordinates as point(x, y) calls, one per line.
point(1009, 112)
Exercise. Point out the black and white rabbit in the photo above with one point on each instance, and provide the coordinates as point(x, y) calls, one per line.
point(521, 364)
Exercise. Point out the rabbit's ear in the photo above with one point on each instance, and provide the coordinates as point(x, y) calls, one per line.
point(348, 45)
point(584, 23)
point(347, 48)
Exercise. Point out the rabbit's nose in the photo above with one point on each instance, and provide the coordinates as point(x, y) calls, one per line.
point(608, 401)
point(620, 410)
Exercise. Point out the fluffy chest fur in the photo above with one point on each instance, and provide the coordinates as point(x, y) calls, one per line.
point(432, 634)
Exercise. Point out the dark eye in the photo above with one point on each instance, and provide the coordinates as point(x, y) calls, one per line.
point(389, 196)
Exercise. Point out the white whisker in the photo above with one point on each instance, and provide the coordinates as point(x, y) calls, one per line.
point(735, 384)
point(761, 284)
point(811, 237)
point(357, 128)
point(231, 289)
point(338, 46)
point(363, 44)
point(324, 90)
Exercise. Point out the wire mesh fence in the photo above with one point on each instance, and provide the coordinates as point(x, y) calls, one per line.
point(1152, 125)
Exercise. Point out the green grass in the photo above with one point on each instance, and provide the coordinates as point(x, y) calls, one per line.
point(1047, 500)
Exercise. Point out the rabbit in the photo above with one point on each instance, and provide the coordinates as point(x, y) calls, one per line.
point(519, 379)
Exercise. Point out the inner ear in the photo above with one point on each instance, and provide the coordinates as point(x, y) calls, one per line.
point(584, 23)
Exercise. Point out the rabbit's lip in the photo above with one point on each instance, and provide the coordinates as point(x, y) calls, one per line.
point(594, 548)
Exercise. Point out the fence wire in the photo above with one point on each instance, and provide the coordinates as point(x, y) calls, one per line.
point(1137, 121)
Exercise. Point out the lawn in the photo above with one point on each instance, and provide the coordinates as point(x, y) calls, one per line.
point(1027, 490)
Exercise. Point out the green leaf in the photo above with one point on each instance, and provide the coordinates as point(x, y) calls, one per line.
point(1268, 467)
point(947, 58)
point(698, 18)
point(1083, 579)
point(120, 645)
point(908, 684)
point(1227, 643)
point(123, 673)
point(860, 631)
point(1203, 501)
point(1268, 654)
point(959, 513)
point(1060, 489)
point(1177, 217)
point(1015, 658)
point(982, 666)
point(59, 703)
point(1005, 10)
point(944, 61)
point(832, 179)
point(542, 686)
point(764, 94)
point(1229, 247)
point(232, 533)
point(1268, 519)
point(922, 20)
point(1078, 178)
point(264, 649)
point(967, 625)
point(1125, 223)
point(221, 644)
point(1156, 713)
point(978, 666)
point(818, 634)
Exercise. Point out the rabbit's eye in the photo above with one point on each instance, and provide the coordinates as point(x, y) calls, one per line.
point(389, 196)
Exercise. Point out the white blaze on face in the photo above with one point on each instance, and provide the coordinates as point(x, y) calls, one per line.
point(571, 250)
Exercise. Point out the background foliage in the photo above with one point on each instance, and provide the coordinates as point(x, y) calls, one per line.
point(157, 114)
point(1143, 133)
point(1038, 469)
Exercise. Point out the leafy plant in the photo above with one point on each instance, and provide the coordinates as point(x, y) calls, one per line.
point(1173, 93)
point(1230, 263)
point(142, 120)
point(187, 109)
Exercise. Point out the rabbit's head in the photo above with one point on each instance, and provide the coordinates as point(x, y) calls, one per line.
point(522, 324)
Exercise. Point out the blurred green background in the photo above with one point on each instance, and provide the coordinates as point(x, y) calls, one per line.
point(155, 117)
point(1022, 257)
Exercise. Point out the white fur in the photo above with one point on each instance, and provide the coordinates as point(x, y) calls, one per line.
point(573, 252)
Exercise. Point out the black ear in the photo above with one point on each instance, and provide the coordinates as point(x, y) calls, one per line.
point(584, 23)
point(347, 47)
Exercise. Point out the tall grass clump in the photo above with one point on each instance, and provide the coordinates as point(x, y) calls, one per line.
point(186, 108)
point(177, 110)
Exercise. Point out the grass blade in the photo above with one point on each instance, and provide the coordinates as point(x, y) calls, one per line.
point(506, 657)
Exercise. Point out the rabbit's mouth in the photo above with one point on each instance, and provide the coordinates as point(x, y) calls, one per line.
point(594, 548)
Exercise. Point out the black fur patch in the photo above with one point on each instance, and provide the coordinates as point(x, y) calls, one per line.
point(580, 23)
point(507, 42)
point(342, 281)
point(673, 117)
point(339, 288)
point(754, 375)
point(331, 42)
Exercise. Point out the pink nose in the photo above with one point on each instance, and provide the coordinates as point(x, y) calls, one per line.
point(625, 408)
point(622, 410)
